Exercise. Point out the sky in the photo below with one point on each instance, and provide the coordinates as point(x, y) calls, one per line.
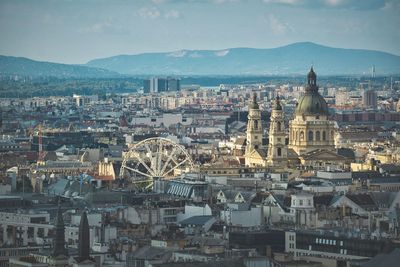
point(76, 31)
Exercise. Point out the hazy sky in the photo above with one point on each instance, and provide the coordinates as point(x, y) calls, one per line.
point(75, 31)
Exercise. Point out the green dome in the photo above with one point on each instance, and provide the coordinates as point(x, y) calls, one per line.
point(312, 104)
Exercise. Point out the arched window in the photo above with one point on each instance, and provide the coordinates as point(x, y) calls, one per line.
point(278, 126)
point(318, 136)
point(279, 151)
point(310, 135)
point(323, 135)
point(256, 125)
point(301, 136)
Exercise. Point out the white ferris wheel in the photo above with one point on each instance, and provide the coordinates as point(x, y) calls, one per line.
point(155, 158)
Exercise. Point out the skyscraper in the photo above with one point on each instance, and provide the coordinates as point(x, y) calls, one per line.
point(155, 85)
point(370, 99)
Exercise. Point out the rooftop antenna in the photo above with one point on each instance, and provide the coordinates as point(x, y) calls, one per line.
point(41, 152)
point(391, 83)
point(373, 72)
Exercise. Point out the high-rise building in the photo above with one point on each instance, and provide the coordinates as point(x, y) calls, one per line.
point(369, 99)
point(162, 84)
point(155, 85)
point(174, 84)
point(146, 86)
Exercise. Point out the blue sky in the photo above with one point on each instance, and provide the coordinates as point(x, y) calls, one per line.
point(76, 31)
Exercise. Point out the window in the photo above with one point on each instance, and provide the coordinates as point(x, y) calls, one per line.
point(323, 135)
point(278, 126)
point(310, 135)
point(301, 136)
point(301, 202)
point(318, 136)
point(279, 151)
point(256, 124)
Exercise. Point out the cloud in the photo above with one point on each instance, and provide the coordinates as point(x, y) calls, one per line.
point(172, 14)
point(338, 4)
point(149, 12)
point(221, 53)
point(276, 25)
point(99, 27)
point(180, 53)
point(391, 5)
point(155, 13)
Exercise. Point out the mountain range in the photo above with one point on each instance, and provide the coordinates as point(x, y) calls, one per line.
point(293, 59)
point(10, 66)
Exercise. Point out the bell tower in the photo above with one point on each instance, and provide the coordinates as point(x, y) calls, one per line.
point(254, 127)
point(277, 148)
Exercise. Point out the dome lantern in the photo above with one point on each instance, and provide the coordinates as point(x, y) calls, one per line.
point(312, 103)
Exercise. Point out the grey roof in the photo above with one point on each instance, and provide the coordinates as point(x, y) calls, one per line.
point(205, 241)
point(383, 199)
point(151, 253)
point(384, 260)
point(59, 187)
point(197, 220)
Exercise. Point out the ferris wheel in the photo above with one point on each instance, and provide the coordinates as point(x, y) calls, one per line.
point(155, 158)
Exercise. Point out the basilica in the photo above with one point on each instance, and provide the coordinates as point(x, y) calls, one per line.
point(309, 143)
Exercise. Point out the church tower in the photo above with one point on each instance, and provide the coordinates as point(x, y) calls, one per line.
point(59, 239)
point(84, 239)
point(311, 128)
point(254, 128)
point(277, 149)
point(59, 255)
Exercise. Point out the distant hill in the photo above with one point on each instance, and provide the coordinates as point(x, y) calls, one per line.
point(26, 67)
point(285, 60)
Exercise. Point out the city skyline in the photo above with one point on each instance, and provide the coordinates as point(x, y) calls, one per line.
point(78, 31)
